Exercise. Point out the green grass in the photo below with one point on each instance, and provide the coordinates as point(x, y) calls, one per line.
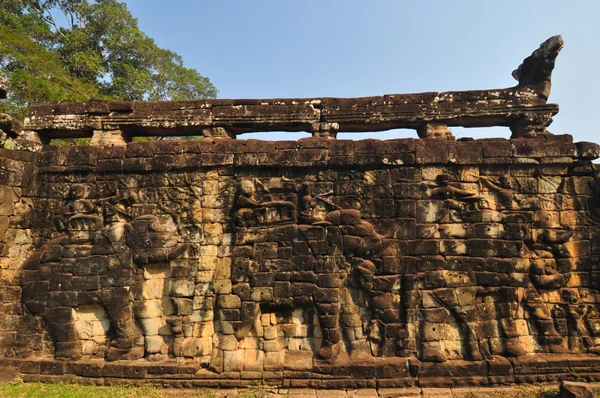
point(18, 389)
point(64, 390)
point(522, 391)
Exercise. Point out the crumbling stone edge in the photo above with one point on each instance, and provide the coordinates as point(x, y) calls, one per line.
point(408, 372)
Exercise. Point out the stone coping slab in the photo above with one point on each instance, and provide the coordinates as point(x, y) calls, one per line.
point(365, 377)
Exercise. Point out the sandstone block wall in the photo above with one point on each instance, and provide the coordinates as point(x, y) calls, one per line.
point(323, 263)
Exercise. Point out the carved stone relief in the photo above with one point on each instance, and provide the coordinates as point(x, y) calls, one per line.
point(269, 269)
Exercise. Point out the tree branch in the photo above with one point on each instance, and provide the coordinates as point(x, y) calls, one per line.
point(47, 18)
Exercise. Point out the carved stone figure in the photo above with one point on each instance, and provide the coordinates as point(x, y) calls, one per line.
point(251, 211)
point(536, 70)
point(141, 242)
point(329, 246)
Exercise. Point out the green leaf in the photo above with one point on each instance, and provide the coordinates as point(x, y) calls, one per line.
point(96, 51)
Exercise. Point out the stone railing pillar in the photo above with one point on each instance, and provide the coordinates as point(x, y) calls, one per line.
point(435, 130)
point(325, 130)
point(531, 125)
point(109, 138)
point(217, 132)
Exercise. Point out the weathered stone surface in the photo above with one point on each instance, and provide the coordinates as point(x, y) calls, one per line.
point(536, 70)
point(570, 389)
point(359, 264)
point(523, 108)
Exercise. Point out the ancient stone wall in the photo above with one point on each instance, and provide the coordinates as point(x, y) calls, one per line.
point(17, 178)
point(323, 263)
point(314, 263)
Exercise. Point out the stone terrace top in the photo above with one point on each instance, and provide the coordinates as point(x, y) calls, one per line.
point(523, 108)
point(320, 116)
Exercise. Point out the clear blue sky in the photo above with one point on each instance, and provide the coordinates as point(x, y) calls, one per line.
point(348, 48)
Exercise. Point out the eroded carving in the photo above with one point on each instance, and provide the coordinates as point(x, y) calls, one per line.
point(113, 268)
point(536, 70)
point(331, 263)
point(313, 263)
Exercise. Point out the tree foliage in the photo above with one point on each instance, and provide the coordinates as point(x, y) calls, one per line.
point(55, 51)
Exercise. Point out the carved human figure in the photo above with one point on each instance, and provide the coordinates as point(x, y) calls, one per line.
point(117, 213)
point(578, 321)
point(79, 200)
point(456, 200)
point(548, 263)
point(252, 211)
point(541, 256)
point(501, 190)
point(313, 206)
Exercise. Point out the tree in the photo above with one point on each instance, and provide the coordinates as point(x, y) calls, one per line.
point(54, 51)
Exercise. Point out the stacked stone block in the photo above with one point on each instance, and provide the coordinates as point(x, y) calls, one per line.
point(18, 331)
point(304, 261)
